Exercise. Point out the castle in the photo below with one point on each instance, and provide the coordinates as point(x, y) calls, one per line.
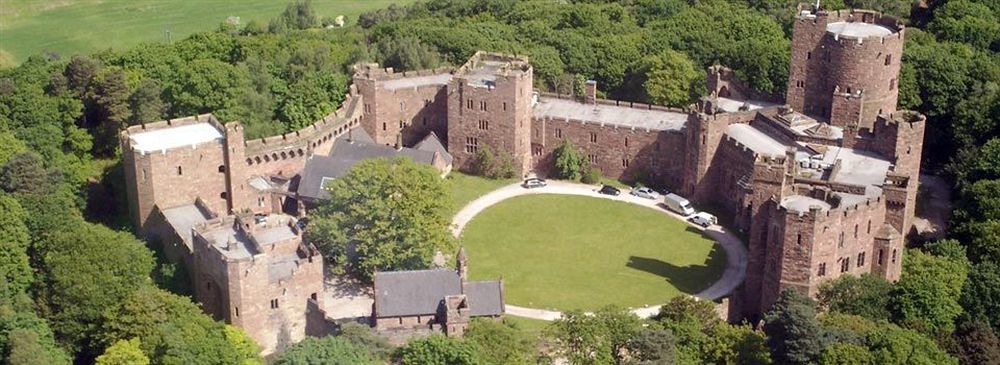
point(823, 184)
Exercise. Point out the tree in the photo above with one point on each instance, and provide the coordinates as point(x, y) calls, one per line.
point(388, 212)
point(981, 295)
point(25, 349)
point(968, 22)
point(406, 53)
point(653, 346)
point(846, 354)
point(594, 339)
point(672, 79)
point(927, 294)
point(111, 97)
point(175, 330)
point(866, 296)
point(977, 342)
point(439, 350)
point(24, 336)
point(123, 352)
point(363, 336)
point(492, 164)
point(330, 350)
point(10, 145)
point(500, 343)
point(146, 104)
point(794, 334)
point(890, 344)
point(569, 161)
point(15, 273)
point(88, 269)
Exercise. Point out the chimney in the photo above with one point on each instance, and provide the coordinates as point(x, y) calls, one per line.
point(590, 92)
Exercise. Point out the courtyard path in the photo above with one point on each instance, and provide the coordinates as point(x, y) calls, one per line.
point(736, 253)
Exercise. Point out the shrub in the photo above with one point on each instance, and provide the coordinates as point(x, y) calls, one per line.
point(591, 176)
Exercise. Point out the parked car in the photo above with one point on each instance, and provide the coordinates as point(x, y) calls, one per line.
point(678, 204)
point(534, 183)
point(643, 192)
point(703, 219)
point(609, 190)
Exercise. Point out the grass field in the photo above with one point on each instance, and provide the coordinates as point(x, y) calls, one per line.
point(465, 188)
point(571, 252)
point(83, 26)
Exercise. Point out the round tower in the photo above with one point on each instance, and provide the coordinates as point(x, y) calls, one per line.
point(845, 65)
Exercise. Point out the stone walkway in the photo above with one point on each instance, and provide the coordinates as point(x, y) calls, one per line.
point(736, 253)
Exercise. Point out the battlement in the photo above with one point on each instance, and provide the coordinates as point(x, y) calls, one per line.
point(372, 71)
point(483, 68)
point(171, 123)
point(807, 12)
point(348, 112)
point(904, 118)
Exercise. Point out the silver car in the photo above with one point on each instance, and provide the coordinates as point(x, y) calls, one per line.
point(643, 192)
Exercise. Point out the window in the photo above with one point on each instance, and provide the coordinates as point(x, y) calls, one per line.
point(144, 174)
point(260, 201)
point(809, 55)
point(368, 108)
point(237, 311)
point(482, 106)
point(402, 106)
point(383, 126)
point(798, 239)
point(822, 269)
point(469, 104)
point(625, 163)
point(845, 264)
point(423, 121)
point(558, 133)
point(484, 125)
point(592, 158)
point(222, 168)
point(314, 296)
point(881, 258)
point(505, 106)
point(894, 255)
point(892, 84)
point(855, 231)
point(274, 303)
point(593, 137)
point(471, 144)
point(180, 171)
point(536, 150)
point(840, 243)
point(869, 226)
point(626, 141)
point(861, 259)
point(888, 59)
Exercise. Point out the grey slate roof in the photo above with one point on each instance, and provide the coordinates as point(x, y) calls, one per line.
point(353, 147)
point(420, 292)
point(432, 143)
point(412, 293)
point(485, 297)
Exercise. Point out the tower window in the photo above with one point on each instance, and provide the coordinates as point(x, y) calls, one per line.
point(861, 259)
point(593, 137)
point(274, 303)
point(888, 59)
point(809, 55)
point(855, 231)
point(840, 242)
point(484, 125)
point(471, 144)
point(180, 171)
point(558, 133)
point(468, 104)
point(592, 158)
point(505, 106)
point(881, 256)
point(822, 269)
point(845, 264)
point(892, 84)
point(869, 226)
point(625, 163)
point(384, 126)
point(626, 141)
point(894, 255)
point(798, 239)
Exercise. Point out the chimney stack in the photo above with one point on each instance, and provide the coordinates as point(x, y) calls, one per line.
point(591, 92)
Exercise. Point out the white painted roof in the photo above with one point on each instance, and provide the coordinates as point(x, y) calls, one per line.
point(756, 140)
point(411, 82)
point(802, 203)
point(610, 114)
point(168, 138)
point(857, 29)
point(731, 105)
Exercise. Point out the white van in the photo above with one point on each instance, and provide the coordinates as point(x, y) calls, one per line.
point(678, 204)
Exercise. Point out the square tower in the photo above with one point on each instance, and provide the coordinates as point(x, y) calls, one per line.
point(489, 104)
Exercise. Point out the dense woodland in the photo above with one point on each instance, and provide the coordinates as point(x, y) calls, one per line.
point(77, 285)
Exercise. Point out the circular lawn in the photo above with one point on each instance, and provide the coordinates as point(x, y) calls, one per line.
point(566, 252)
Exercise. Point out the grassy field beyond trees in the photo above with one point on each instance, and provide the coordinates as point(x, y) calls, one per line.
point(83, 26)
point(571, 252)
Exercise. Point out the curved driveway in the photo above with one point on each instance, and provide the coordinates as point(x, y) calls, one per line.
point(736, 253)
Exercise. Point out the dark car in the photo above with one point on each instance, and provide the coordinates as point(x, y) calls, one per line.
point(534, 183)
point(609, 190)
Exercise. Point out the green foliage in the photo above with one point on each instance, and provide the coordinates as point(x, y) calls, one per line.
point(653, 346)
point(846, 354)
point(594, 339)
point(981, 295)
point(439, 350)
point(175, 330)
point(969, 22)
point(978, 344)
point(793, 332)
point(703, 338)
point(24, 336)
point(591, 175)
point(123, 352)
point(332, 350)
point(88, 269)
point(9, 146)
point(569, 161)
point(25, 348)
point(672, 79)
point(388, 212)
point(297, 15)
point(494, 165)
point(926, 296)
point(866, 296)
point(363, 336)
point(501, 343)
point(146, 103)
point(15, 273)
point(406, 53)
point(890, 344)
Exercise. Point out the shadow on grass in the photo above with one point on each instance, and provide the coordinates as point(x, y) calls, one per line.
point(687, 279)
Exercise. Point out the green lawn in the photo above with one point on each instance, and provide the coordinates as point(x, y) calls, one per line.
point(464, 188)
point(83, 26)
point(572, 252)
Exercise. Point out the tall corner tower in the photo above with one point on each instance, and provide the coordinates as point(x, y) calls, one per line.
point(844, 65)
point(489, 104)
